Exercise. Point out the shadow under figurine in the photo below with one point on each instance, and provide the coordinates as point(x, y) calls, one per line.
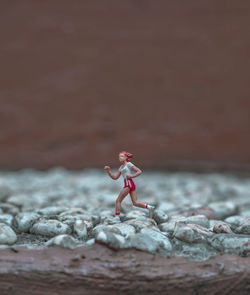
point(126, 170)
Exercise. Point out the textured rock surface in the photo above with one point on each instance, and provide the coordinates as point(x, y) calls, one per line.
point(231, 243)
point(49, 228)
point(24, 221)
point(222, 227)
point(65, 241)
point(7, 235)
point(99, 270)
point(244, 227)
point(59, 209)
point(73, 209)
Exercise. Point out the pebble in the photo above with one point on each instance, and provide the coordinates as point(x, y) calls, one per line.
point(7, 235)
point(50, 228)
point(231, 244)
point(143, 241)
point(93, 233)
point(244, 227)
point(138, 224)
point(53, 210)
point(122, 228)
point(65, 241)
point(136, 214)
point(190, 233)
point(196, 251)
point(223, 210)
point(164, 242)
point(9, 208)
point(222, 227)
point(114, 241)
point(24, 221)
point(234, 221)
point(7, 219)
point(80, 229)
point(160, 216)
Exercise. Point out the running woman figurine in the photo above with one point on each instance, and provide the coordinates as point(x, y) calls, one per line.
point(129, 187)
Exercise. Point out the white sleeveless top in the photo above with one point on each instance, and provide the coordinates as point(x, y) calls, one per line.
point(126, 169)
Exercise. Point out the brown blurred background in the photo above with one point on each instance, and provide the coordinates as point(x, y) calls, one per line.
point(165, 80)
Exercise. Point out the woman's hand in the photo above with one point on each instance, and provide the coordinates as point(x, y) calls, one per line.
point(106, 168)
point(129, 176)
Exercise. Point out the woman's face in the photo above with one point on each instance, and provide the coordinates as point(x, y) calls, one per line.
point(122, 158)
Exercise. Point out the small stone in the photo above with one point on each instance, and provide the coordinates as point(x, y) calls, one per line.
point(234, 221)
point(244, 227)
point(160, 216)
point(142, 241)
point(191, 233)
point(24, 221)
point(7, 219)
point(53, 210)
point(139, 224)
point(90, 242)
point(18, 199)
point(7, 235)
point(9, 208)
point(164, 242)
point(112, 220)
point(73, 211)
point(4, 193)
point(80, 229)
point(80, 213)
point(122, 229)
point(196, 251)
point(231, 244)
point(50, 228)
point(223, 209)
point(94, 232)
point(114, 241)
point(169, 226)
point(136, 214)
point(65, 241)
point(222, 227)
point(206, 211)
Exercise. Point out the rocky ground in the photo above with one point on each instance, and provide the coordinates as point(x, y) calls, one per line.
point(59, 234)
point(197, 215)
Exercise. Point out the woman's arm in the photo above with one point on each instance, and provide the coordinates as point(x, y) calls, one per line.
point(113, 176)
point(137, 172)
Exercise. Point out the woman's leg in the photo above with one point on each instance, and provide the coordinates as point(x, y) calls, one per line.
point(120, 198)
point(136, 203)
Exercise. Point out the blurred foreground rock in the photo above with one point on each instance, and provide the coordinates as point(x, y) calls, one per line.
point(99, 270)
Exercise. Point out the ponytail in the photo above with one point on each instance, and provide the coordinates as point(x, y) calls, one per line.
point(128, 155)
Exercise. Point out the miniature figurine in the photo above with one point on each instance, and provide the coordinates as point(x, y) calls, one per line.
point(129, 186)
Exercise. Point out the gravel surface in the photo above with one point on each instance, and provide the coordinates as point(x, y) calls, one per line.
point(196, 215)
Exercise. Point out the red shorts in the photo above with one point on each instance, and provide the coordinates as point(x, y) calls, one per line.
point(130, 184)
